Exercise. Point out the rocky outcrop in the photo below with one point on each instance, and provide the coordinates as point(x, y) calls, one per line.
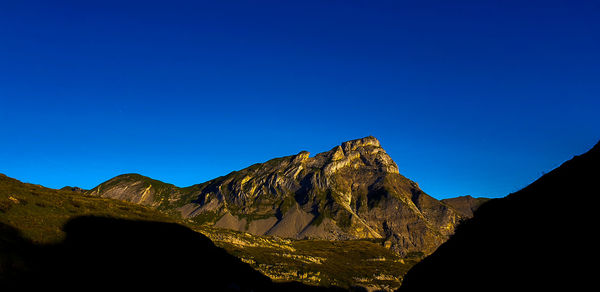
point(353, 191)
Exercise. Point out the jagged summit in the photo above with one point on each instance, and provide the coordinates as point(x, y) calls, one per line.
point(352, 191)
point(366, 141)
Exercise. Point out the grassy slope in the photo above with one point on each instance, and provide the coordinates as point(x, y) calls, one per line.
point(39, 214)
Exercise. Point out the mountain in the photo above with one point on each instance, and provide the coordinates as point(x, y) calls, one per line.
point(540, 238)
point(353, 191)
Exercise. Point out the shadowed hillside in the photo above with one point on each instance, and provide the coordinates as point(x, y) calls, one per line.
point(105, 253)
point(538, 238)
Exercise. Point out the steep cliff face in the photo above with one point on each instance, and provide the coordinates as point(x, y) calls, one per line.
point(352, 191)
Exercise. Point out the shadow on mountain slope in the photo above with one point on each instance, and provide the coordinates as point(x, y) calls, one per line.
point(538, 238)
point(103, 253)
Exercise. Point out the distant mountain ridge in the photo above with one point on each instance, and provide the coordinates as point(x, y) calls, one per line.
point(353, 191)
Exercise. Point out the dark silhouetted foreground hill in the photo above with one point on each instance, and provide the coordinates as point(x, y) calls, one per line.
point(115, 254)
point(539, 238)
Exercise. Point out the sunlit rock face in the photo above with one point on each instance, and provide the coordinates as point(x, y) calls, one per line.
point(353, 191)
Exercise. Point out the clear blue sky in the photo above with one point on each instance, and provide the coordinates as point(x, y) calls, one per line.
point(468, 97)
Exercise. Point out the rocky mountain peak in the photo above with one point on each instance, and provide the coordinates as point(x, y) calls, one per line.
point(352, 191)
point(365, 153)
point(363, 142)
point(370, 153)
